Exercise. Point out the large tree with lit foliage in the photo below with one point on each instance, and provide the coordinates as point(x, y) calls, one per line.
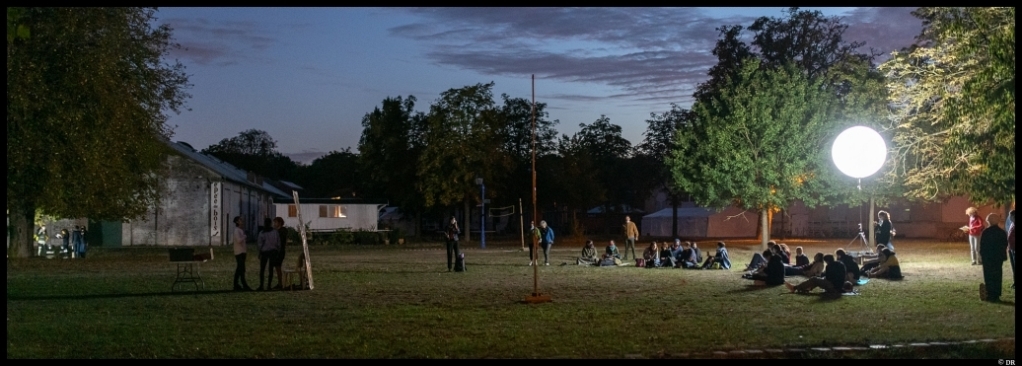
point(87, 93)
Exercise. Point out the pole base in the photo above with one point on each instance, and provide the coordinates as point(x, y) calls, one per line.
point(537, 299)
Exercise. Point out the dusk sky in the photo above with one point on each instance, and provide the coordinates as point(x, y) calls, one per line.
point(307, 76)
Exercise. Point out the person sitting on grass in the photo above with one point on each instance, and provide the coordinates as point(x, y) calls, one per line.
point(800, 257)
point(698, 254)
point(650, 257)
point(812, 269)
point(611, 251)
point(687, 258)
point(833, 280)
point(667, 256)
point(890, 268)
point(676, 252)
point(759, 261)
point(851, 268)
point(785, 253)
point(874, 263)
point(589, 256)
point(721, 258)
point(772, 274)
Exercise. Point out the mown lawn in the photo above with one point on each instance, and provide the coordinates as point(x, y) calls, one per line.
point(390, 302)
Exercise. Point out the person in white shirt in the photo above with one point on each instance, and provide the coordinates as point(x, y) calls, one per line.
point(240, 252)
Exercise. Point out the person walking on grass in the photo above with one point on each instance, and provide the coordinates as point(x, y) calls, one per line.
point(631, 236)
point(546, 240)
point(240, 254)
point(993, 251)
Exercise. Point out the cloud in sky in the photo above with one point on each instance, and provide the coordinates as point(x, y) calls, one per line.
point(653, 55)
point(219, 43)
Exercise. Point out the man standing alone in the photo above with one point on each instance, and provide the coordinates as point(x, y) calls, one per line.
point(993, 251)
point(631, 236)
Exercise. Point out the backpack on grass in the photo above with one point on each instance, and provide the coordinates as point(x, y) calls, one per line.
point(459, 263)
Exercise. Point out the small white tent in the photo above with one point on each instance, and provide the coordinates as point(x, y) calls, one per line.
point(698, 222)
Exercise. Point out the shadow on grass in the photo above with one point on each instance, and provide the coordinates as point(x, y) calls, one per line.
point(121, 296)
point(752, 287)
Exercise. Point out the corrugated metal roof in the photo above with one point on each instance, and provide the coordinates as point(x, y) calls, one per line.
point(226, 170)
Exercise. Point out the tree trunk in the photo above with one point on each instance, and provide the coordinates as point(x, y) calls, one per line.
point(20, 229)
point(764, 224)
point(466, 228)
point(674, 216)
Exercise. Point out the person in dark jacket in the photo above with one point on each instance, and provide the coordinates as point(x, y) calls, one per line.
point(801, 259)
point(688, 257)
point(773, 274)
point(452, 242)
point(993, 251)
point(833, 280)
point(883, 229)
point(851, 268)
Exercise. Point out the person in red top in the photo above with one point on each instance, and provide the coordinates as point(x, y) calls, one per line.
point(975, 229)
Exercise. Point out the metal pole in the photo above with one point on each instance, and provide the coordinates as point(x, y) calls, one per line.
point(872, 228)
point(482, 215)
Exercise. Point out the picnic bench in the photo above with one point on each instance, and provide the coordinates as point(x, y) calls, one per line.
point(187, 267)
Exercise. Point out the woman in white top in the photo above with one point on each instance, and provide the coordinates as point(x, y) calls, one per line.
point(240, 252)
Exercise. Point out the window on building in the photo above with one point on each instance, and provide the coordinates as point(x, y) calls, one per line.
point(292, 211)
point(337, 211)
point(332, 211)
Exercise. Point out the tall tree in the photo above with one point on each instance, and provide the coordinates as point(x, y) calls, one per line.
point(756, 142)
point(336, 174)
point(389, 152)
point(954, 94)
point(814, 45)
point(87, 93)
point(255, 151)
point(461, 144)
point(655, 150)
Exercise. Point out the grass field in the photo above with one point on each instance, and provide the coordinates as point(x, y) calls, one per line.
point(400, 302)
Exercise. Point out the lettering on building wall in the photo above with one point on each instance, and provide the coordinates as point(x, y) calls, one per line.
point(214, 209)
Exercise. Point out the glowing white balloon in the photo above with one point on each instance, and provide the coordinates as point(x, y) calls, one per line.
point(859, 152)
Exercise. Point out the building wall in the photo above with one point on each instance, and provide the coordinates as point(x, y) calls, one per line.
point(185, 216)
point(358, 216)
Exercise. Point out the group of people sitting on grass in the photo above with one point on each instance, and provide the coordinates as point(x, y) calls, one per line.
point(676, 255)
point(772, 266)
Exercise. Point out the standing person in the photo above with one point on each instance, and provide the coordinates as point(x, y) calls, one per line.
point(278, 261)
point(974, 229)
point(269, 244)
point(78, 238)
point(452, 242)
point(631, 236)
point(884, 230)
point(240, 253)
point(536, 237)
point(546, 240)
point(993, 251)
point(1011, 245)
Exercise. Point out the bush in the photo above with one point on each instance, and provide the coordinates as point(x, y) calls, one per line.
point(365, 237)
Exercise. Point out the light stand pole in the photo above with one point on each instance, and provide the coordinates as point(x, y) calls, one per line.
point(482, 214)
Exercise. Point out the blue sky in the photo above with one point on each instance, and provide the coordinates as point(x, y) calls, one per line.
point(308, 75)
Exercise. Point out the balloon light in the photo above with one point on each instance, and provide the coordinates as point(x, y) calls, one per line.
point(859, 152)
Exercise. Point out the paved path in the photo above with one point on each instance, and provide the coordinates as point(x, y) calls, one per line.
point(829, 352)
